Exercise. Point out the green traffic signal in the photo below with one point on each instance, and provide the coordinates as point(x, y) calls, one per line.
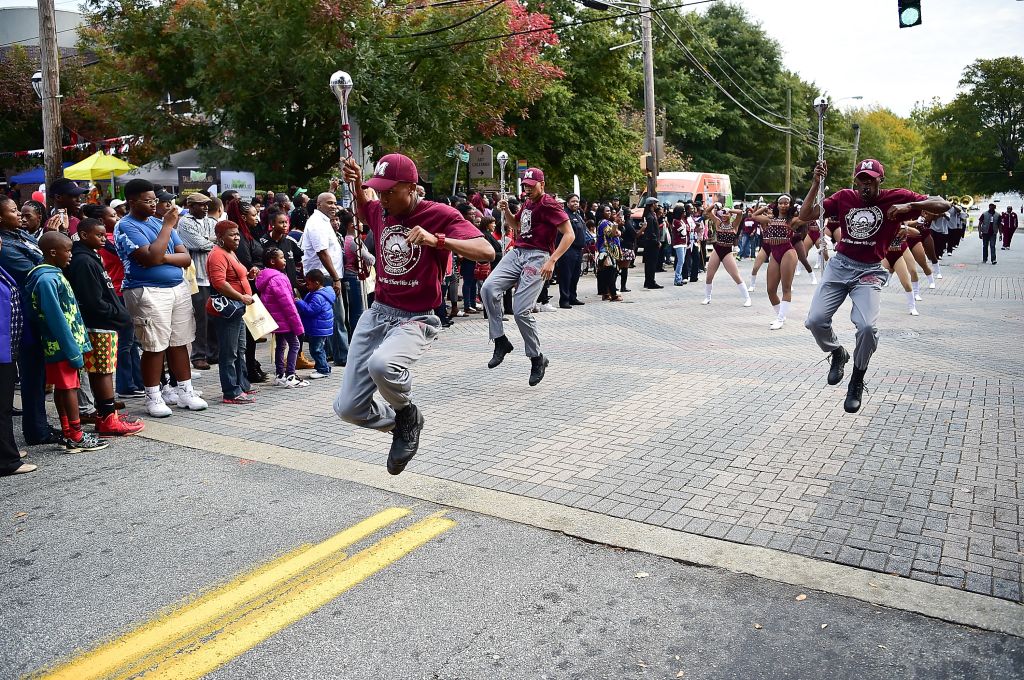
point(910, 13)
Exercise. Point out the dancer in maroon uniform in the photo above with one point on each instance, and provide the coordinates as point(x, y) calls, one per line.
point(778, 241)
point(726, 233)
point(895, 262)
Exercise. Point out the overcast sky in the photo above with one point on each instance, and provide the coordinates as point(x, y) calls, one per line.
point(857, 48)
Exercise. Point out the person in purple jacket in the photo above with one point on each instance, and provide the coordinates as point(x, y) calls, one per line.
point(278, 296)
point(317, 312)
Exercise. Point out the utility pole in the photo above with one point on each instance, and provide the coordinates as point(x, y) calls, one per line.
point(649, 110)
point(856, 150)
point(50, 94)
point(789, 137)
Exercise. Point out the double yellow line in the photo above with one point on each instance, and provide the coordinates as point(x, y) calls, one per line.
point(199, 637)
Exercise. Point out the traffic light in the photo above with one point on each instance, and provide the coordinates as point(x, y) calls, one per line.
point(910, 13)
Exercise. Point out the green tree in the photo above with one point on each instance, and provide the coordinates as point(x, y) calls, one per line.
point(256, 75)
point(977, 139)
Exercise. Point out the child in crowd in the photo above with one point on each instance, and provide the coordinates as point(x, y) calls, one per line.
point(278, 296)
point(103, 313)
point(317, 312)
point(57, 322)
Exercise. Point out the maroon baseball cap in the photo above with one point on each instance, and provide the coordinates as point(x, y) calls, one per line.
point(871, 168)
point(392, 169)
point(533, 176)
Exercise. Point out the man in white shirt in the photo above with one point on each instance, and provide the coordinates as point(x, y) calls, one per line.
point(321, 249)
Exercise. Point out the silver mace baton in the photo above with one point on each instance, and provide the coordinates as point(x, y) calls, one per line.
point(502, 162)
point(821, 106)
point(341, 86)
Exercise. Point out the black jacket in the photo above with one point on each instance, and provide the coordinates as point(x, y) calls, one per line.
point(98, 303)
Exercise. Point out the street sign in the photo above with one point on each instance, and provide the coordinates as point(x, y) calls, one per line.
point(464, 156)
point(521, 166)
point(450, 153)
point(481, 162)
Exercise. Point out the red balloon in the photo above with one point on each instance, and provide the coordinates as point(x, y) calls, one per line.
point(39, 196)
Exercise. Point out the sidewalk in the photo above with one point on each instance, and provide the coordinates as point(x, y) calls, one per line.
point(701, 420)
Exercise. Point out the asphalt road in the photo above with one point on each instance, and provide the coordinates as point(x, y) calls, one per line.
point(107, 540)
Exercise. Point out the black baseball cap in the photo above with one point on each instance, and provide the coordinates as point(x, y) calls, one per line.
point(164, 195)
point(66, 187)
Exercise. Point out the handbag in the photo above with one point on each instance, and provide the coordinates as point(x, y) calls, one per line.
point(225, 306)
point(258, 320)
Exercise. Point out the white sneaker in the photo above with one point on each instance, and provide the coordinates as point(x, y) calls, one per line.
point(294, 381)
point(169, 395)
point(931, 284)
point(190, 400)
point(777, 324)
point(706, 301)
point(747, 302)
point(914, 312)
point(157, 408)
point(317, 375)
point(750, 289)
point(547, 307)
point(281, 381)
point(938, 275)
point(917, 296)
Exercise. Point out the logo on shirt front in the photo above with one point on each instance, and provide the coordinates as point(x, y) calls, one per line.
point(399, 257)
point(863, 223)
point(526, 222)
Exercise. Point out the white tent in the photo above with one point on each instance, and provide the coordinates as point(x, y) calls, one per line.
point(164, 174)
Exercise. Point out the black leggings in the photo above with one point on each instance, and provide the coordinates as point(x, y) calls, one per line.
point(606, 281)
point(651, 256)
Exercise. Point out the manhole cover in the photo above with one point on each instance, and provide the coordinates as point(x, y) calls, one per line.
point(900, 333)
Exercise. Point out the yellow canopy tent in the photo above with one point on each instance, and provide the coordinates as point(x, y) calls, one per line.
point(98, 166)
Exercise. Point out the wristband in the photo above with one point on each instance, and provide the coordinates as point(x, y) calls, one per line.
point(440, 241)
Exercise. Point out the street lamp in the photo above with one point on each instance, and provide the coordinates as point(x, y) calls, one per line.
point(37, 84)
point(649, 110)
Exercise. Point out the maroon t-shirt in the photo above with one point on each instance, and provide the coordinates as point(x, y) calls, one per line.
point(409, 277)
point(866, 230)
point(538, 223)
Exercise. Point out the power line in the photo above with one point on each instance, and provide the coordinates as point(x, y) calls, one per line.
point(432, 31)
point(555, 27)
point(801, 134)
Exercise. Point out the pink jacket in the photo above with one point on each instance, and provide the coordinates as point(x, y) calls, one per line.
point(275, 292)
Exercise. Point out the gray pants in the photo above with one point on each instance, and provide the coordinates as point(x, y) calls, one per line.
point(519, 268)
point(862, 283)
point(385, 344)
point(205, 344)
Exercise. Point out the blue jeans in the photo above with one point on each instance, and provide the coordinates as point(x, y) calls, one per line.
point(746, 240)
point(339, 341)
point(318, 353)
point(680, 259)
point(468, 270)
point(128, 376)
point(231, 346)
point(31, 369)
point(354, 298)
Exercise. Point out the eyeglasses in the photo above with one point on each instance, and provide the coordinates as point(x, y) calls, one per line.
point(148, 201)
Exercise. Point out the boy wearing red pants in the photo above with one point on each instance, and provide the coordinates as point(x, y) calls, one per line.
point(55, 318)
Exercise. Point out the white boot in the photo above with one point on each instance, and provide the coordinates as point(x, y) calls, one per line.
point(814, 279)
point(707, 293)
point(753, 282)
point(911, 304)
point(931, 281)
point(916, 287)
point(744, 294)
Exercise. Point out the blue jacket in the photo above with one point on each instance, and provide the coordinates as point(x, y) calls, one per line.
point(10, 318)
point(317, 312)
point(55, 315)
